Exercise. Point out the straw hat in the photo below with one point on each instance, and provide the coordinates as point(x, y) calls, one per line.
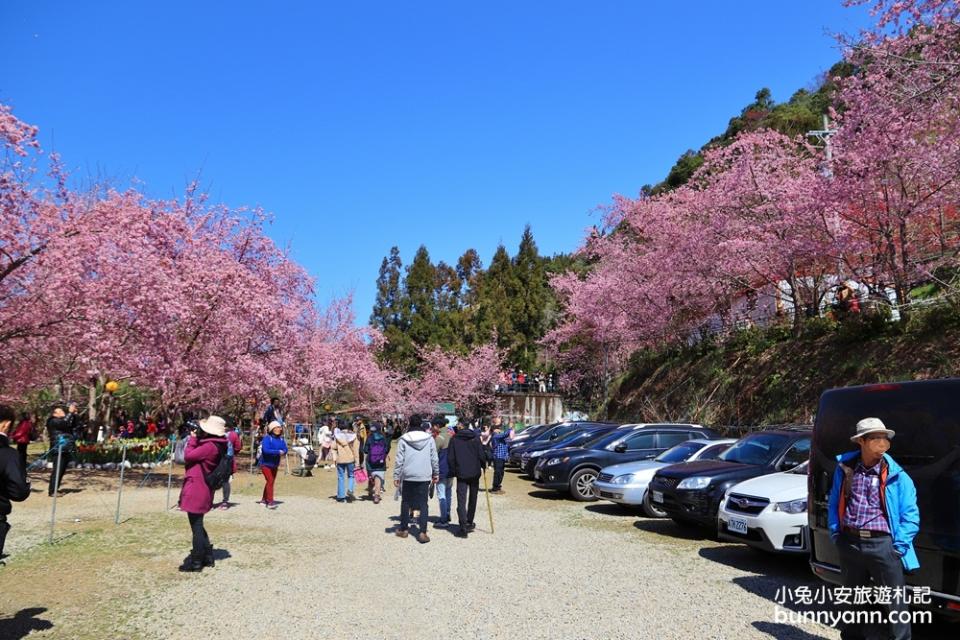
point(214, 425)
point(274, 425)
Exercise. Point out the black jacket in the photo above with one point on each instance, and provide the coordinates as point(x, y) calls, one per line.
point(465, 457)
point(57, 427)
point(13, 479)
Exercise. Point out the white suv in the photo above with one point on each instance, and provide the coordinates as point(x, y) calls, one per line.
point(768, 512)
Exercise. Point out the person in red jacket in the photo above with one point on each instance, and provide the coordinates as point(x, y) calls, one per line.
point(204, 448)
point(21, 437)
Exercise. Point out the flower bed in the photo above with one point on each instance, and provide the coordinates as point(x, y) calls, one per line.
point(139, 451)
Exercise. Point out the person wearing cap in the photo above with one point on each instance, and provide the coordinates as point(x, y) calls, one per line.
point(272, 447)
point(376, 451)
point(873, 518)
point(204, 448)
point(14, 484)
point(417, 466)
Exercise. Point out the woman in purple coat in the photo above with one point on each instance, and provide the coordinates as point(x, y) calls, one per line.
point(203, 451)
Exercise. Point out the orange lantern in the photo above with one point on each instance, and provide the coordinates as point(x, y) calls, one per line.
point(112, 386)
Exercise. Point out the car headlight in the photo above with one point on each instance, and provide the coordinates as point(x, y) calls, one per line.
point(696, 482)
point(553, 461)
point(626, 478)
point(794, 506)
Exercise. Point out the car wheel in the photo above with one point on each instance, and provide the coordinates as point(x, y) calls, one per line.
point(581, 485)
point(650, 509)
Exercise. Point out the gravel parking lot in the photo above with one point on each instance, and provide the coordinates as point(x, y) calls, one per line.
point(315, 568)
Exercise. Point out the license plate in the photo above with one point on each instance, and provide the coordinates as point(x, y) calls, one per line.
point(658, 496)
point(737, 525)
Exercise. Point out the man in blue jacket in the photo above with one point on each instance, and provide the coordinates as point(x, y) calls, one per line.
point(873, 518)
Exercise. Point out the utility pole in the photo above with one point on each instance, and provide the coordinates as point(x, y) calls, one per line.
point(824, 135)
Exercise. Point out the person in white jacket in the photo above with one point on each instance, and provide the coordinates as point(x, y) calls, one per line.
point(417, 467)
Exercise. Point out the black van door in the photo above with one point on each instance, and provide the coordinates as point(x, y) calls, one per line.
point(926, 418)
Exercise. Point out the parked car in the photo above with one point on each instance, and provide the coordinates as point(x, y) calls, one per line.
point(690, 493)
point(584, 432)
point(530, 432)
point(926, 417)
point(553, 433)
point(627, 483)
point(574, 469)
point(769, 512)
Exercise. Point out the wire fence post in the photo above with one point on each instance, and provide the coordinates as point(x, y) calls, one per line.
point(173, 449)
point(123, 466)
point(56, 489)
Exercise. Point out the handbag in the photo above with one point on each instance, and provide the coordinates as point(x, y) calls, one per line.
point(360, 476)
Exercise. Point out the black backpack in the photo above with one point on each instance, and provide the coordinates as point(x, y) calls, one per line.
point(221, 472)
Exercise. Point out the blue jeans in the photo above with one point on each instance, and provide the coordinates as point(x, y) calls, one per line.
point(444, 491)
point(344, 471)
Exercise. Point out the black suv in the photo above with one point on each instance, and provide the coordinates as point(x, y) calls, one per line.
point(926, 417)
point(691, 493)
point(574, 469)
point(555, 433)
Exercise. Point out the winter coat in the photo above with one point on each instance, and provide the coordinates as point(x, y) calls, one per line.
point(57, 427)
point(234, 437)
point(346, 447)
point(201, 458)
point(443, 442)
point(898, 500)
point(23, 432)
point(271, 449)
point(13, 479)
point(417, 459)
point(465, 455)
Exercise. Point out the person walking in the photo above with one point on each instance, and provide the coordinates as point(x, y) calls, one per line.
point(441, 437)
point(61, 437)
point(272, 447)
point(205, 446)
point(501, 451)
point(376, 450)
point(417, 466)
point(873, 516)
point(346, 443)
point(14, 484)
point(21, 437)
point(466, 462)
point(234, 441)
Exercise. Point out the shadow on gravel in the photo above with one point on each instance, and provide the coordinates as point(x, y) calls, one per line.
point(22, 623)
point(547, 495)
point(785, 631)
point(221, 554)
point(612, 510)
point(783, 567)
point(667, 527)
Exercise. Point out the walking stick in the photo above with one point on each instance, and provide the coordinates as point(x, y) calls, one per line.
point(173, 448)
point(123, 466)
point(486, 492)
point(56, 489)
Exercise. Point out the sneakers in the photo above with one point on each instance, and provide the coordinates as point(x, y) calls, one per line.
point(423, 538)
point(402, 533)
point(460, 533)
point(261, 502)
point(273, 505)
point(471, 526)
point(223, 506)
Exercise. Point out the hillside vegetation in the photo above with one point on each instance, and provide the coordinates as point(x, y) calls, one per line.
point(764, 376)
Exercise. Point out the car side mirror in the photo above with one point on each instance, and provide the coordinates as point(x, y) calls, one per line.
point(786, 465)
point(620, 448)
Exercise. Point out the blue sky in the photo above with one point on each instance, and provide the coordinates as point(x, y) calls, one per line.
point(364, 125)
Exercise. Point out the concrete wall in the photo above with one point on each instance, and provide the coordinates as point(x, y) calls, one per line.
point(531, 408)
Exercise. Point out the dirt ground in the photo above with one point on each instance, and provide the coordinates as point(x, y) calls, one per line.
point(553, 568)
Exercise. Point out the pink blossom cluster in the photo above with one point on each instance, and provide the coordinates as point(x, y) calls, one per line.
point(771, 216)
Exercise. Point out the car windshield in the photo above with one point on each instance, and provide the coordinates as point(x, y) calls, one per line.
point(757, 448)
point(679, 453)
point(800, 469)
point(603, 439)
point(578, 437)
